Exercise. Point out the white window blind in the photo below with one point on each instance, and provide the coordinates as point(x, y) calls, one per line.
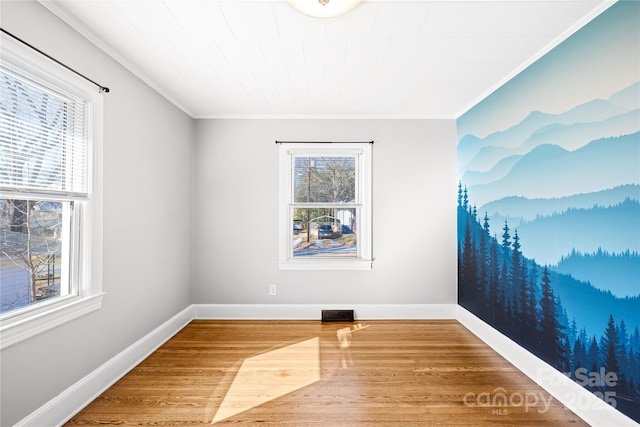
point(44, 136)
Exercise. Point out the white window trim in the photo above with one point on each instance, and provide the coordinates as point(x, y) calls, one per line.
point(286, 261)
point(30, 321)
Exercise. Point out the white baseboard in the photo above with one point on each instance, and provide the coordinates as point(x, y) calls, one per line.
point(580, 401)
point(583, 403)
point(68, 403)
point(313, 311)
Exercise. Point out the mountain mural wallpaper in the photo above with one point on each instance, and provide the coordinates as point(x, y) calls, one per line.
point(549, 207)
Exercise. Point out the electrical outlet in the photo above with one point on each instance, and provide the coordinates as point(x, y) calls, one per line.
point(272, 290)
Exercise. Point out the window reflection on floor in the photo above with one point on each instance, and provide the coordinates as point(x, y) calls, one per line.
point(344, 343)
point(271, 375)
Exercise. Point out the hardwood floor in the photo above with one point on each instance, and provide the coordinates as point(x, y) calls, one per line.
point(306, 373)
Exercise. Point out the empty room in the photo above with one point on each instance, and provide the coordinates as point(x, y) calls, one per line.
point(312, 212)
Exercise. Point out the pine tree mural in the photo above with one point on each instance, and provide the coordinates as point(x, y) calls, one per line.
point(494, 302)
point(505, 289)
point(609, 347)
point(593, 355)
point(550, 347)
point(579, 355)
point(483, 263)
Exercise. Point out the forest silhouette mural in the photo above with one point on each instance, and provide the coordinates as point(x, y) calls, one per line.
point(549, 208)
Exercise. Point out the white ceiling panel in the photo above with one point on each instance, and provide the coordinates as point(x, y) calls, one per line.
point(307, 72)
point(282, 50)
point(401, 19)
point(292, 87)
point(230, 73)
point(292, 23)
point(318, 51)
point(196, 50)
point(439, 22)
point(149, 18)
point(200, 19)
point(269, 72)
point(357, 23)
point(253, 87)
point(371, 51)
point(240, 50)
point(528, 18)
point(250, 19)
point(385, 58)
point(408, 50)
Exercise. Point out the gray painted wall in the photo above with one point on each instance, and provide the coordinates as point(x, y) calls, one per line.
point(148, 155)
point(236, 208)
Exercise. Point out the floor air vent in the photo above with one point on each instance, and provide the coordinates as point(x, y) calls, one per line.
point(337, 315)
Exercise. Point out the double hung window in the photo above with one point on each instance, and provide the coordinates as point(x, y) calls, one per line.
point(50, 201)
point(325, 206)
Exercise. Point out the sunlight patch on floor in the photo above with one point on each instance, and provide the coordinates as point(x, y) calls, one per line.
point(270, 375)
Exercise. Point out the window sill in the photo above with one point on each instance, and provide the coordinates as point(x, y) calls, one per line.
point(20, 328)
point(326, 264)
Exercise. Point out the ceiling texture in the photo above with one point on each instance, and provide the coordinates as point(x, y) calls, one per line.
point(383, 59)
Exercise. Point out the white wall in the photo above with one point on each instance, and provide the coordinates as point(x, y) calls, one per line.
point(236, 208)
point(148, 156)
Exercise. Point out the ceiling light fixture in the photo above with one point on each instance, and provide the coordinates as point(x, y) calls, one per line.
point(323, 8)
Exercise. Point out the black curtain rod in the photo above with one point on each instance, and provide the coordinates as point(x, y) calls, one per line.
point(324, 142)
point(102, 88)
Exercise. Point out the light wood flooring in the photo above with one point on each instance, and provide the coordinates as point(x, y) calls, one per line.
point(306, 373)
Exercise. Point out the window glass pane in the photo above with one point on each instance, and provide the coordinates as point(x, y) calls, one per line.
point(324, 179)
point(328, 232)
point(33, 253)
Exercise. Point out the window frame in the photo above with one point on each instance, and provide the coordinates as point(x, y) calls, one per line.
point(363, 153)
point(85, 237)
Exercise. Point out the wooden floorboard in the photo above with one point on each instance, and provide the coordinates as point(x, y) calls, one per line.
point(308, 373)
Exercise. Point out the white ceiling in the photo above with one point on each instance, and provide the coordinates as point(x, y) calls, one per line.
point(235, 58)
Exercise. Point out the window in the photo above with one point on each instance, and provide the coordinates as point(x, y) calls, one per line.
point(325, 206)
point(50, 198)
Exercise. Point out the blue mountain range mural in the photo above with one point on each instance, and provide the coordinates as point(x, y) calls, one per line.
point(570, 130)
point(549, 206)
point(517, 208)
point(615, 273)
point(601, 164)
